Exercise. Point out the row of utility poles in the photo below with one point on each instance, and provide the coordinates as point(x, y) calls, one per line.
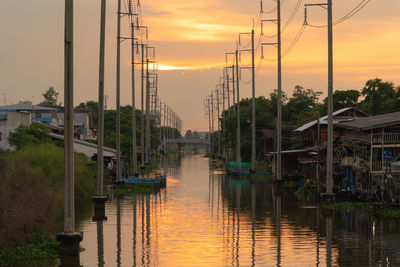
point(152, 108)
point(215, 113)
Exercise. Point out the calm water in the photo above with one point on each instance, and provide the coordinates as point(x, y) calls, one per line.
point(204, 218)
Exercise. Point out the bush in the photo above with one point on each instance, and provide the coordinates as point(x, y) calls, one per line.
point(32, 189)
point(36, 133)
point(306, 193)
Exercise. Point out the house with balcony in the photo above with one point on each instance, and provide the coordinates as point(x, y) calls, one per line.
point(369, 153)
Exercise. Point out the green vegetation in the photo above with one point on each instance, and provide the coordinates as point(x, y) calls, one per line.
point(50, 97)
point(38, 249)
point(349, 206)
point(385, 211)
point(32, 189)
point(126, 129)
point(306, 193)
point(36, 133)
point(301, 107)
point(389, 212)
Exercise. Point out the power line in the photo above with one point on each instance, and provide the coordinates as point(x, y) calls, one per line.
point(353, 12)
point(290, 19)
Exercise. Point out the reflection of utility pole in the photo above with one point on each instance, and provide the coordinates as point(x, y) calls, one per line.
point(329, 157)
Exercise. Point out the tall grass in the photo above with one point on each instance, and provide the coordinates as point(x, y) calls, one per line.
point(31, 190)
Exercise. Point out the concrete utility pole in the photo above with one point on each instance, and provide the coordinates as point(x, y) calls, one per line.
point(253, 107)
point(209, 124)
point(134, 149)
point(238, 154)
point(142, 145)
point(118, 104)
point(329, 180)
point(147, 110)
point(218, 124)
point(233, 85)
point(69, 238)
point(160, 121)
point(212, 122)
point(318, 145)
point(279, 126)
point(69, 209)
point(223, 119)
point(100, 135)
point(164, 126)
point(99, 200)
point(329, 156)
point(227, 90)
point(167, 125)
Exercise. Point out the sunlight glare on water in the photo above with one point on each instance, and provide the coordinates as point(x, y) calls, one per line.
point(204, 218)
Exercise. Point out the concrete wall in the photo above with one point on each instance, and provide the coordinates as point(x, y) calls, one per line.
point(13, 121)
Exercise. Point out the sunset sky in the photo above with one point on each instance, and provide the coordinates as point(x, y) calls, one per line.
point(191, 38)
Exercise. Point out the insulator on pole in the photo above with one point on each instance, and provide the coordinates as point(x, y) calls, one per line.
point(305, 16)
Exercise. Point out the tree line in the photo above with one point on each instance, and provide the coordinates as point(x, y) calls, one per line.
point(376, 97)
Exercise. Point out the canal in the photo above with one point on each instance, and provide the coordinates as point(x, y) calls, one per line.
point(204, 218)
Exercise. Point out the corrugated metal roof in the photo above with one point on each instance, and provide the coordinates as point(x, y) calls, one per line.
point(324, 120)
point(22, 106)
point(372, 122)
point(86, 148)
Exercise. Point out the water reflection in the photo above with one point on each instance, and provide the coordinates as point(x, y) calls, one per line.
point(205, 218)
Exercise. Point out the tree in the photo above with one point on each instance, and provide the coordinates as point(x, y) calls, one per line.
point(36, 133)
point(380, 97)
point(50, 97)
point(343, 99)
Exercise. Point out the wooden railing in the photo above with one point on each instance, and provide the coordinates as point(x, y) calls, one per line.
point(388, 138)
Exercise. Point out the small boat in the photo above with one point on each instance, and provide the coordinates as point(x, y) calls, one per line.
point(158, 180)
point(238, 168)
